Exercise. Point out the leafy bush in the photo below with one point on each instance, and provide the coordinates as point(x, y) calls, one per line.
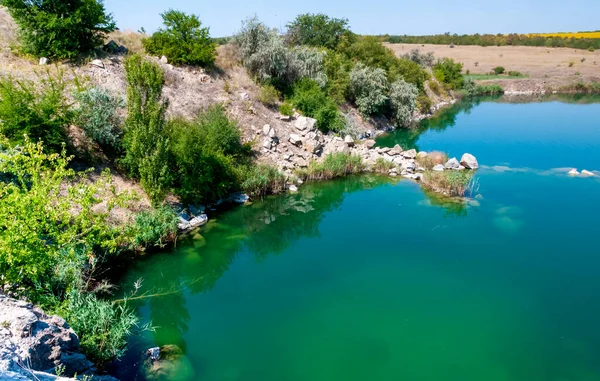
point(425, 60)
point(154, 227)
point(318, 30)
point(498, 70)
point(368, 87)
point(97, 113)
point(514, 73)
point(308, 63)
point(448, 72)
point(334, 165)
point(252, 37)
point(337, 69)
point(403, 101)
point(207, 156)
point(435, 87)
point(38, 110)
point(471, 89)
point(268, 95)
point(424, 104)
point(262, 180)
point(182, 41)
point(146, 139)
point(286, 109)
point(312, 100)
point(60, 29)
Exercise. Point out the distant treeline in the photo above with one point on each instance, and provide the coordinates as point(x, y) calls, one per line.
point(498, 40)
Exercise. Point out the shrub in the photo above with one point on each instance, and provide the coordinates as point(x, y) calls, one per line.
point(449, 72)
point(591, 49)
point(368, 87)
point(318, 30)
point(206, 155)
point(383, 166)
point(498, 70)
point(60, 29)
point(252, 37)
point(334, 165)
point(154, 227)
point(435, 87)
point(268, 95)
point(308, 63)
point(424, 104)
point(38, 110)
point(514, 73)
point(286, 109)
point(312, 100)
point(451, 183)
point(425, 60)
point(182, 41)
point(97, 113)
point(146, 139)
point(262, 180)
point(337, 68)
point(403, 98)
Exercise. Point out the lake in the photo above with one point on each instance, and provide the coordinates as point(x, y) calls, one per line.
point(369, 278)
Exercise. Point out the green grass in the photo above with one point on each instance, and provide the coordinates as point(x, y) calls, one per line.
point(483, 77)
point(335, 165)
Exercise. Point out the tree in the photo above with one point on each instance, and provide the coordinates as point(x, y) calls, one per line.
point(318, 30)
point(146, 138)
point(368, 87)
point(403, 98)
point(449, 72)
point(58, 28)
point(182, 41)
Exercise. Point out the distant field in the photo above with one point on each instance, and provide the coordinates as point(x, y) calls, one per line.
point(482, 77)
point(568, 35)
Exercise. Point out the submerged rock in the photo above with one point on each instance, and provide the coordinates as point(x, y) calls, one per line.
point(469, 161)
point(573, 172)
point(586, 173)
point(169, 364)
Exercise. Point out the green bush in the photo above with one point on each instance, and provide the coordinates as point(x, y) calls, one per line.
point(424, 104)
point(318, 30)
point(38, 110)
point(334, 165)
point(146, 138)
point(262, 180)
point(182, 41)
point(403, 101)
point(471, 89)
point(498, 70)
point(312, 100)
point(513, 73)
point(98, 114)
point(368, 87)
point(207, 156)
point(60, 29)
point(268, 96)
point(337, 69)
point(152, 228)
point(448, 72)
point(286, 109)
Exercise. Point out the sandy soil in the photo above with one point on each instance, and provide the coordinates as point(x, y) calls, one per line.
point(546, 67)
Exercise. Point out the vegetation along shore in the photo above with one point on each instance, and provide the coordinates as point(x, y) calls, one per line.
point(115, 142)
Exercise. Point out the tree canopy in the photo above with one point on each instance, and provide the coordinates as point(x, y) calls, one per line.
point(318, 30)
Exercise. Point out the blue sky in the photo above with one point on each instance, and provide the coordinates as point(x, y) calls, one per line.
point(376, 16)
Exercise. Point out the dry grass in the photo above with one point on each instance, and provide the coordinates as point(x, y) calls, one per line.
point(432, 159)
point(228, 56)
point(8, 28)
point(129, 39)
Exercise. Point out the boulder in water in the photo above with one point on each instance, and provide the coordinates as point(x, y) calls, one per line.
point(469, 161)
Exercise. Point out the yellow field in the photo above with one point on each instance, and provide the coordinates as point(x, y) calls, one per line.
point(568, 35)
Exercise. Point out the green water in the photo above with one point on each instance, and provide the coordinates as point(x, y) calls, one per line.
point(370, 279)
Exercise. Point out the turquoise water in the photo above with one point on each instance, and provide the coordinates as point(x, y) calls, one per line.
point(366, 278)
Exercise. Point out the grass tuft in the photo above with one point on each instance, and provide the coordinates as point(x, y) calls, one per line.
point(335, 165)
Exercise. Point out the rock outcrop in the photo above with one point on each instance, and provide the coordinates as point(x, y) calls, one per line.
point(33, 345)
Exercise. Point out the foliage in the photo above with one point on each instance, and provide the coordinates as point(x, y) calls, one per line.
point(252, 37)
point(60, 29)
point(370, 52)
point(146, 139)
point(514, 73)
point(38, 110)
point(334, 165)
point(262, 180)
point(425, 59)
point(318, 30)
point(286, 109)
point(498, 70)
point(337, 69)
point(97, 113)
point(268, 95)
point(102, 326)
point(548, 40)
point(449, 182)
point(403, 101)
point(448, 72)
point(368, 87)
point(308, 63)
point(154, 227)
point(312, 100)
point(207, 156)
point(471, 89)
point(182, 41)
point(424, 104)
point(383, 166)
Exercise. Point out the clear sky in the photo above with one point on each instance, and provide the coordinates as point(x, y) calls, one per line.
point(376, 16)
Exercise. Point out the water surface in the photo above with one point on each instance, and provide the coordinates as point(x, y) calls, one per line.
point(366, 278)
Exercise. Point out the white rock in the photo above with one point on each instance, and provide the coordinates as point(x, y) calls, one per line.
point(410, 154)
point(266, 129)
point(305, 124)
point(292, 188)
point(349, 141)
point(586, 173)
point(295, 139)
point(438, 168)
point(97, 63)
point(164, 60)
point(421, 154)
point(370, 143)
point(44, 61)
point(573, 172)
point(244, 96)
point(469, 161)
point(452, 164)
point(267, 143)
